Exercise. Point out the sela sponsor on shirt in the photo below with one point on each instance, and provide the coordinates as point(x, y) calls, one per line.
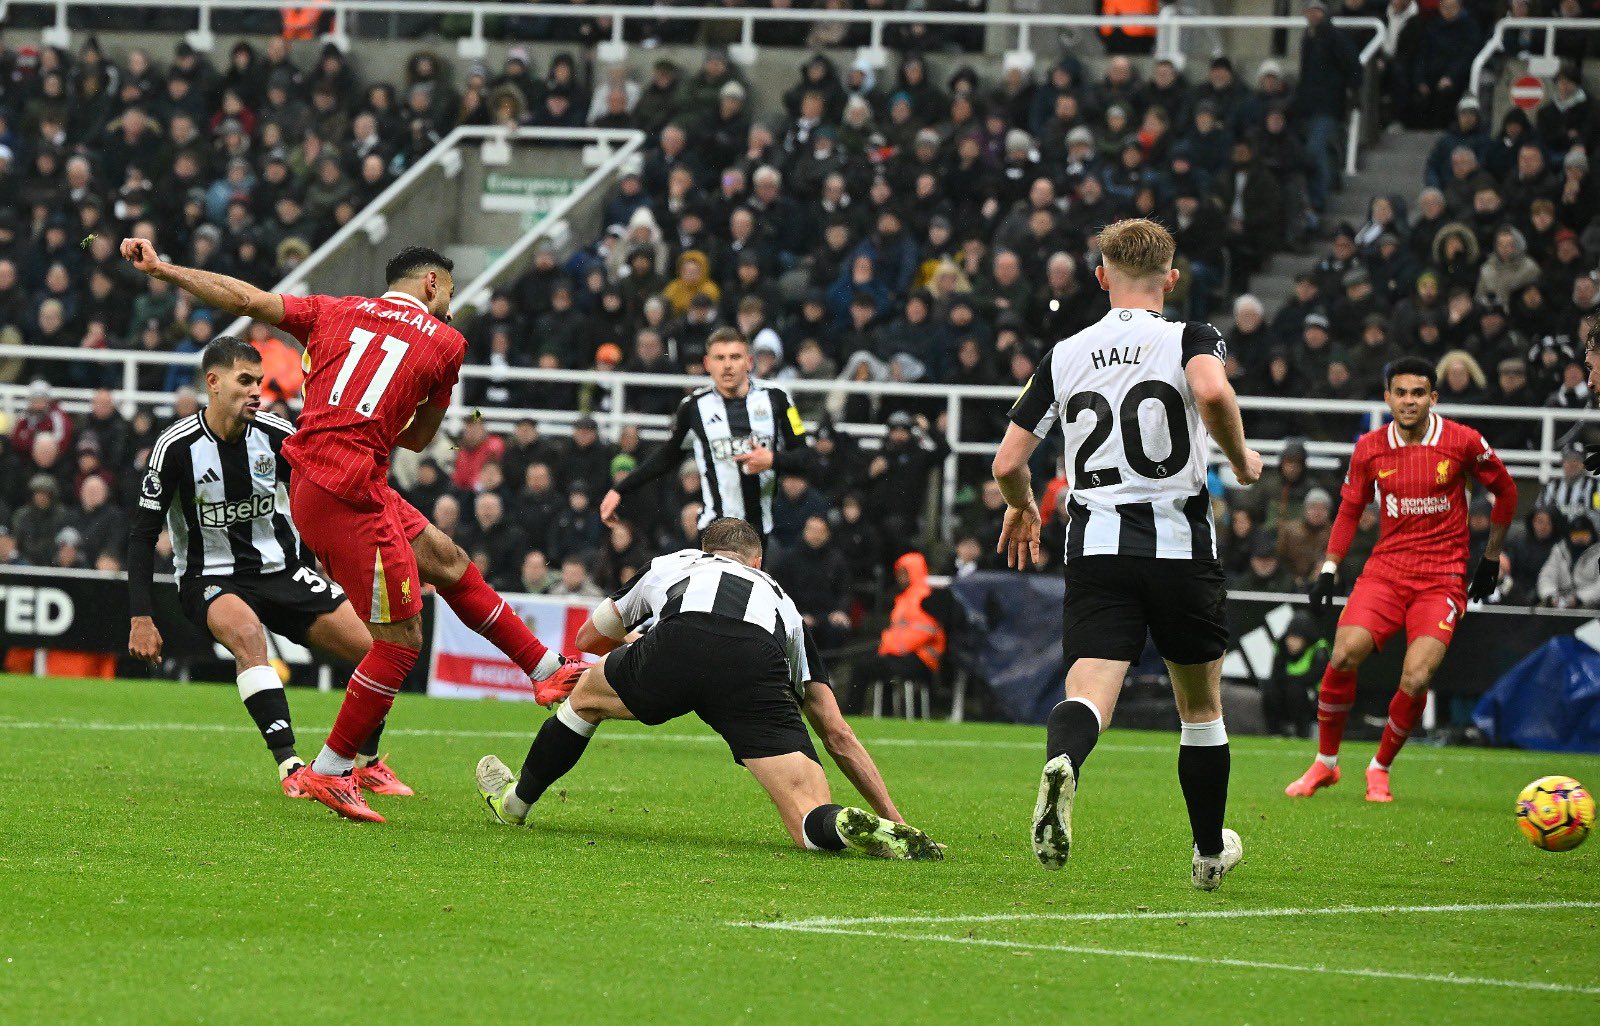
point(728, 448)
point(225, 514)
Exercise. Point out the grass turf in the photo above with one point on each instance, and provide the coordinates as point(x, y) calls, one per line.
point(150, 872)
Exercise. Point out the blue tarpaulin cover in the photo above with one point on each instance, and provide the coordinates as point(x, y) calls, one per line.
point(1549, 702)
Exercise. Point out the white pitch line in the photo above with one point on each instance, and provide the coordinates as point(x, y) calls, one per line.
point(1239, 913)
point(1412, 754)
point(1208, 960)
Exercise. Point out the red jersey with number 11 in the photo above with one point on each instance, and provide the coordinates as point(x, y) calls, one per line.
point(1421, 491)
point(369, 364)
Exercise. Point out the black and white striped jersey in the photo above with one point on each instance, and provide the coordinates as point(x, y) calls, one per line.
point(1136, 447)
point(1572, 496)
point(226, 504)
point(717, 429)
point(692, 581)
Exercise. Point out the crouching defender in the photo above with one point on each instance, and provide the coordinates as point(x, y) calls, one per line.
point(217, 481)
point(731, 647)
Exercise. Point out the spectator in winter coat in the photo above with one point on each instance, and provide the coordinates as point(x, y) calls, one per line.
point(1330, 70)
point(1468, 131)
point(1571, 575)
point(1527, 553)
point(814, 573)
point(1287, 702)
point(1303, 542)
point(1508, 268)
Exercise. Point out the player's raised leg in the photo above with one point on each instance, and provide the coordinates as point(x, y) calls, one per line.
point(1423, 657)
point(446, 566)
point(1073, 729)
point(557, 747)
point(1204, 763)
point(1351, 647)
point(342, 634)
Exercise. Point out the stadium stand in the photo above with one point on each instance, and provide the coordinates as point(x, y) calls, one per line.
point(921, 222)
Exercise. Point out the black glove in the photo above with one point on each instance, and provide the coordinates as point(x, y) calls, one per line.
point(1322, 590)
point(1591, 458)
point(1484, 579)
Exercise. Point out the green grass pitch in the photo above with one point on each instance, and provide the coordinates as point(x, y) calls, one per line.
point(151, 873)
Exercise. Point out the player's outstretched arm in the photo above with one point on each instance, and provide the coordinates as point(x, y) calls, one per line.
point(822, 710)
point(231, 295)
point(603, 631)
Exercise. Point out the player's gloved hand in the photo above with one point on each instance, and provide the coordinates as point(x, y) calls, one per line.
point(1591, 459)
point(1484, 579)
point(1322, 590)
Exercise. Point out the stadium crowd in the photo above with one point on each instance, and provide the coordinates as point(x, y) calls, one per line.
point(916, 224)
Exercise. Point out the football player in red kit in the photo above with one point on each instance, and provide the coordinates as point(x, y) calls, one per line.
point(1416, 468)
point(379, 374)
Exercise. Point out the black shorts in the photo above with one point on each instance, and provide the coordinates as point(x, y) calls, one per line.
point(731, 674)
point(287, 602)
point(1113, 601)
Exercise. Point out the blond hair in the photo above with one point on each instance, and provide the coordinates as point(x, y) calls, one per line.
point(1138, 247)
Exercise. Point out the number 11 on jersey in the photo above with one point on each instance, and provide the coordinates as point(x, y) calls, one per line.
point(394, 350)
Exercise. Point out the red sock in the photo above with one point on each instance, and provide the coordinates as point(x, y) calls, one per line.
point(369, 695)
point(482, 609)
point(1334, 699)
point(1404, 710)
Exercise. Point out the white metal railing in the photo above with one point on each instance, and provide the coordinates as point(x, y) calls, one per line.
point(476, 293)
point(370, 218)
point(1547, 62)
point(612, 390)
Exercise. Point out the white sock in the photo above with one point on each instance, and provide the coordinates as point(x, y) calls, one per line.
point(363, 760)
point(1099, 721)
point(1330, 761)
point(575, 723)
point(331, 764)
point(256, 680)
point(513, 805)
point(1375, 764)
point(1211, 733)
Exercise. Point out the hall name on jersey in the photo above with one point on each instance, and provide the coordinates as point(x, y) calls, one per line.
point(728, 448)
point(1117, 356)
point(421, 321)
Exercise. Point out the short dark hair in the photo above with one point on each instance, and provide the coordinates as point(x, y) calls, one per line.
point(1591, 334)
point(1415, 365)
point(730, 534)
point(411, 260)
point(727, 333)
point(224, 351)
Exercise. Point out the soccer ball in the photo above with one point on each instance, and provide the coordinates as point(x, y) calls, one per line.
point(1555, 813)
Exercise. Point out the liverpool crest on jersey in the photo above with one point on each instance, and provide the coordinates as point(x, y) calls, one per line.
point(1442, 472)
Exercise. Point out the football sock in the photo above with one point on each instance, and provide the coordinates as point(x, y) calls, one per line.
point(821, 829)
point(482, 609)
point(367, 699)
point(1203, 763)
point(1334, 699)
point(369, 748)
point(556, 749)
point(1072, 730)
point(1404, 711)
point(265, 701)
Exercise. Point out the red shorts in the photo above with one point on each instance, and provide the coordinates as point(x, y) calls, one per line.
point(365, 546)
point(1425, 606)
